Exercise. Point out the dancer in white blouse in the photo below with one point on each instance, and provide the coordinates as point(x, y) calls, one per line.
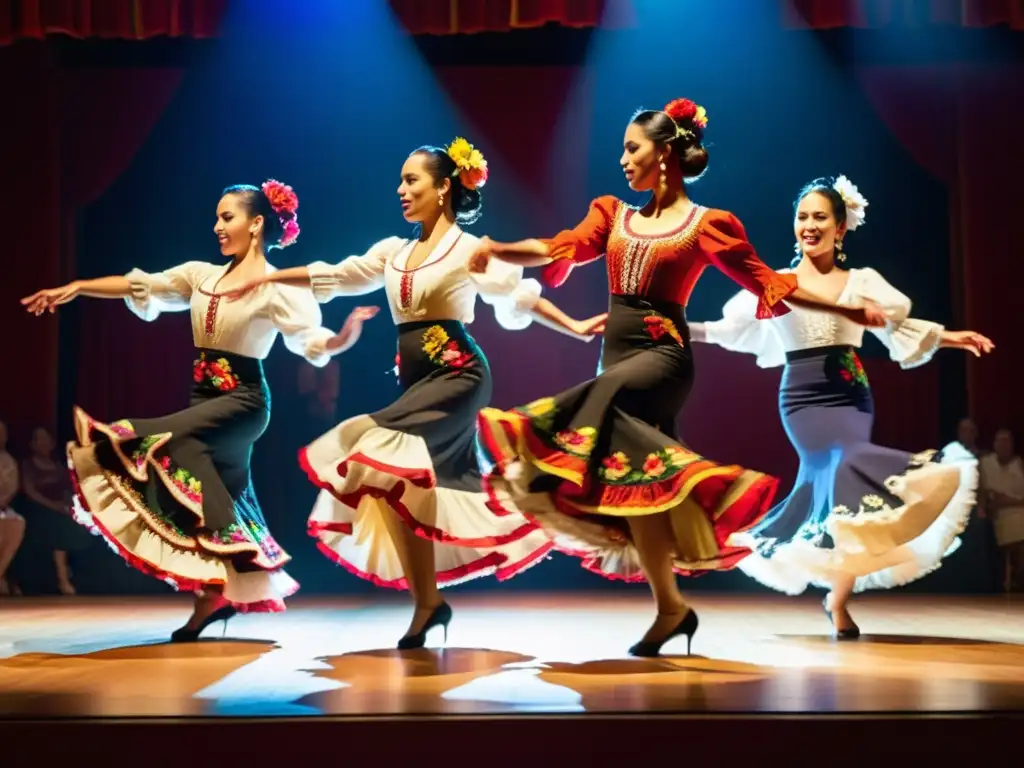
point(860, 516)
point(173, 495)
point(402, 503)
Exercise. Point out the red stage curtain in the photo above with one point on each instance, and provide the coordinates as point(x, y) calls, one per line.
point(827, 14)
point(100, 104)
point(449, 17)
point(125, 19)
point(77, 130)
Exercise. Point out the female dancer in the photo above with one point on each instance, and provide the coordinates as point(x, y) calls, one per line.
point(599, 464)
point(401, 502)
point(860, 516)
point(173, 495)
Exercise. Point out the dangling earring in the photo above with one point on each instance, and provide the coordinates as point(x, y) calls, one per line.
point(440, 199)
point(840, 256)
point(662, 180)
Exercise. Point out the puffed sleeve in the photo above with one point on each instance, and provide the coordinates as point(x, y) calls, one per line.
point(723, 241)
point(910, 342)
point(354, 276)
point(739, 330)
point(585, 242)
point(503, 287)
point(296, 314)
point(167, 291)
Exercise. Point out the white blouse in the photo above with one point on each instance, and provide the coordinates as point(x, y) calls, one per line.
point(910, 342)
point(441, 288)
point(246, 326)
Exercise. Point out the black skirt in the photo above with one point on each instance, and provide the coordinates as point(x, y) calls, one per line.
point(585, 460)
point(173, 495)
point(414, 463)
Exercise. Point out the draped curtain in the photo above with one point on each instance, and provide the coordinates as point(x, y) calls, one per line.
point(70, 133)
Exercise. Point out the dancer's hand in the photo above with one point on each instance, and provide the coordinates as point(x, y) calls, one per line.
point(247, 287)
point(349, 333)
point(50, 298)
point(970, 341)
point(481, 257)
point(592, 326)
point(870, 315)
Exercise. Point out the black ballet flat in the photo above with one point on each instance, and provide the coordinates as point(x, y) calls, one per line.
point(441, 616)
point(652, 648)
point(850, 633)
point(186, 635)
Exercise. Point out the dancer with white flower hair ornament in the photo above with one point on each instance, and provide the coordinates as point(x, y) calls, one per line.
point(860, 516)
point(401, 501)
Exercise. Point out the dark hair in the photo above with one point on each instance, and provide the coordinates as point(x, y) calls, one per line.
point(687, 146)
point(466, 203)
point(257, 204)
point(823, 186)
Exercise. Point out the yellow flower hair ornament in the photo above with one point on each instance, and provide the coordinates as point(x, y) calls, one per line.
point(470, 166)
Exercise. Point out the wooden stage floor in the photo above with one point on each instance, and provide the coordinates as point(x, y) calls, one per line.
point(510, 654)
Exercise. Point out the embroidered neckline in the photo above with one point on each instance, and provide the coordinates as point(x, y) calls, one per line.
point(630, 211)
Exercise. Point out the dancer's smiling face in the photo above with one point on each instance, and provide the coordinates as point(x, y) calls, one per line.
point(815, 225)
point(235, 228)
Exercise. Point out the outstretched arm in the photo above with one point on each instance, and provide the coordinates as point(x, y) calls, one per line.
point(523, 253)
point(550, 316)
point(112, 287)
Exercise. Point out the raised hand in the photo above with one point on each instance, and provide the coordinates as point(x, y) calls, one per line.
point(50, 298)
point(481, 256)
point(971, 341)
point(350, 331)
point(591, 326)
point(870, 315)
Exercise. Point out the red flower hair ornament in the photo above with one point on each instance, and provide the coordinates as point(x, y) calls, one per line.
point(683, 110)
point(284, 202)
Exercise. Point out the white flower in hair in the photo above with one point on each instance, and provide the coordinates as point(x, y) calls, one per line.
point(854, 200)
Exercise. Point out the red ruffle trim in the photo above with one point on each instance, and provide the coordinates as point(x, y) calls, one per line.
point(179, 583)
point(393, 497)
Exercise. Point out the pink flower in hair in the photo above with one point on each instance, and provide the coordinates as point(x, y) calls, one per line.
point(282, 198)
point(291, 232)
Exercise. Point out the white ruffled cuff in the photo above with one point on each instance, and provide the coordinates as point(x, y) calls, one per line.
point(914, 342)
point(513, 310)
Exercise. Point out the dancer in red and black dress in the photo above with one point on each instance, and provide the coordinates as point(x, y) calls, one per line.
point(600, 466)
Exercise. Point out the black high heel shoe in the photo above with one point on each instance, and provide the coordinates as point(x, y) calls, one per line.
point(850, 633)
point(441, 616)
point(186, 635)
point(650, 648)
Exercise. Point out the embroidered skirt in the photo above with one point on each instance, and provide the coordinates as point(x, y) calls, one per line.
point(414, 464)
point(173, 495)
point(885, 516)
point(584, 461)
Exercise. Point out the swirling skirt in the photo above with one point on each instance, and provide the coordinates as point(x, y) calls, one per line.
point(414, 464)
point(884, 516)
point(584, 461)
point(173, 495)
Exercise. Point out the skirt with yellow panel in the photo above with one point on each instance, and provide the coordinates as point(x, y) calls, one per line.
point(583, 462)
